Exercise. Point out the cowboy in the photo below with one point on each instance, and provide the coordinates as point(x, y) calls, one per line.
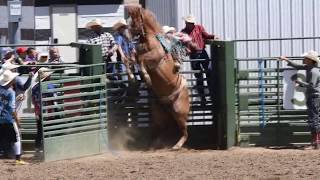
point(9, 121)
point(180, 43)
point(198, 35)
point(312, 85)
point(43, 75)
point(105, 39)
point(20, 86)
point(126, 49)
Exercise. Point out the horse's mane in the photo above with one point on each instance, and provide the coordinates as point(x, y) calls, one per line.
point(149, 19)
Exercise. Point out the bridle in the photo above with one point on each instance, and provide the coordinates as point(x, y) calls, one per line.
point(140, 36)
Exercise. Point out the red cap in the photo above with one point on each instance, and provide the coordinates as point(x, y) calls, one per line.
point(20, 50)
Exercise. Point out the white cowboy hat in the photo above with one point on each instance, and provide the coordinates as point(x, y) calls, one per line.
point(94, 22)
point(7, 76)
point(190, 19)
point(166, 29)
point(312, 55)
point(7, 66)
point(43, 73)
point(119, 23)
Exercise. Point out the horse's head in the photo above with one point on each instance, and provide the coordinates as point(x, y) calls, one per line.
point(142, 22)
point(136, 21)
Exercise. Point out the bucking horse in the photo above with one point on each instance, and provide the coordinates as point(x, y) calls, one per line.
point(158, 70)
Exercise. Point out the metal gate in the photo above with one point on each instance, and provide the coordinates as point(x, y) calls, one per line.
point(74, 115)
point(211, 122)
point(261, 118)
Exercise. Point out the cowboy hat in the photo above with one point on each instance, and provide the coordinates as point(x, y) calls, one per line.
point(43, 73)
point(190, 19)
point(312, 55)
point(7, 66)
point(94, 22)
point(7, 76)
point(119, 23)
point(166, 29)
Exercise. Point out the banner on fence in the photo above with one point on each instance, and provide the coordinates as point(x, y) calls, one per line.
point(293, 95)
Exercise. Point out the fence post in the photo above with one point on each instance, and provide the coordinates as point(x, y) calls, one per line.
point(90, 54)
point(222, 53)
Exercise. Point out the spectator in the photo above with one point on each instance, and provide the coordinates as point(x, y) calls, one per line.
point(198, 35)
point(32, 55)
point(55, 58)
point(54, 55)
point(31, 59)
point(106, 40)
point(8, 55)
point(19, 86)
point(22, 54)
point(312, 85)
point(126, 51)
point(9, 121)
point(43, 75)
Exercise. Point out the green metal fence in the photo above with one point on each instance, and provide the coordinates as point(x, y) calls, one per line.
point(74, 115)
point(261, 118)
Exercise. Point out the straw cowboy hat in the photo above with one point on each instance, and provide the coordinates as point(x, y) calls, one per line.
point(43, 73)
point(166, 29)
point(120, 23)
point(312, 55)
point(190, 19)
point(94, 22)
point(7, 76)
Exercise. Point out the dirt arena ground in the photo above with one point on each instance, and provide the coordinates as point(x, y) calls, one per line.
point(236, 163)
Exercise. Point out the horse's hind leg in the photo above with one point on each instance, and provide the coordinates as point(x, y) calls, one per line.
point(181, 110)
point(182, 125)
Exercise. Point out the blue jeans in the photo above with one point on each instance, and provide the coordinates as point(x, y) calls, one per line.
point(204, 66)
point(313, 106)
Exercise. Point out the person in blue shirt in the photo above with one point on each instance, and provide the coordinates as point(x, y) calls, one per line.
point(9, 121)
point(126, 49)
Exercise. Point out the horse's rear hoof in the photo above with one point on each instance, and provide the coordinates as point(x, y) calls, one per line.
point(176, 148)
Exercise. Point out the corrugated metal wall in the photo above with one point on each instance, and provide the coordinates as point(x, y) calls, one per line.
point(165, 10)
point(249, 19)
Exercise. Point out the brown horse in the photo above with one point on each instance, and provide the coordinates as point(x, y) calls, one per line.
point(159, 72)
